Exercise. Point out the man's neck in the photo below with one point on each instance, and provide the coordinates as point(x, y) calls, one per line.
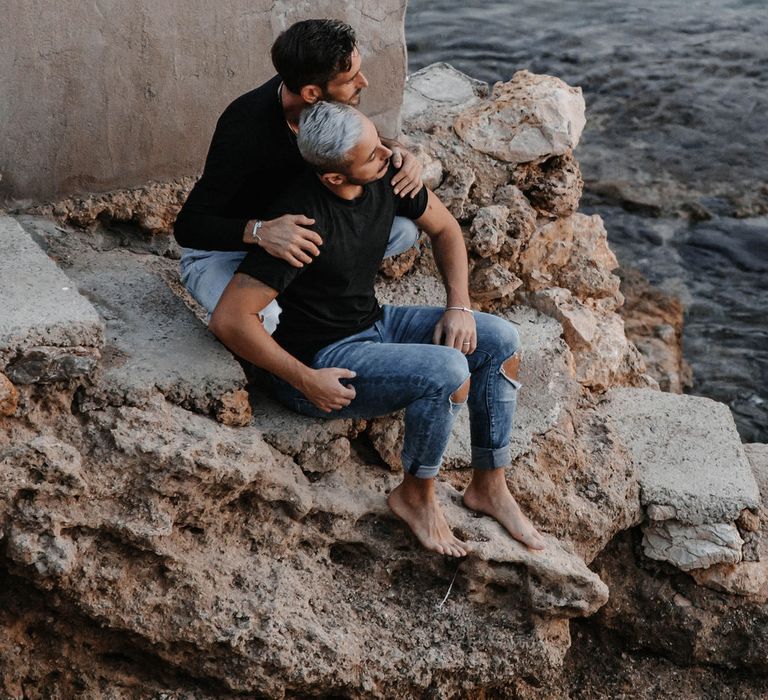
point(345, 191)
point(292, 106)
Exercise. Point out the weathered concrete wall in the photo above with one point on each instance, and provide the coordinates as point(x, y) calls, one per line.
point(107, 94)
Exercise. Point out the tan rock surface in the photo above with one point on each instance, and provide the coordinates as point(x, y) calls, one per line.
point(653, 321)
point(525, 119)
point(9, 396)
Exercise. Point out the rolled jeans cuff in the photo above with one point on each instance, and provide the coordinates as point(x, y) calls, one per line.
point(490, 458)
point(420, 471)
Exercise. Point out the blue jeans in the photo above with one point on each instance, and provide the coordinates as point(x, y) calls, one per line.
point(206, 273)
point(398, 367)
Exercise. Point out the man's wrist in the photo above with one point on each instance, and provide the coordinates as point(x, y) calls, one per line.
point(253, 229)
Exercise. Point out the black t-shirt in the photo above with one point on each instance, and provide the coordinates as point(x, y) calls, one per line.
point(333, 297)
point(252, 157)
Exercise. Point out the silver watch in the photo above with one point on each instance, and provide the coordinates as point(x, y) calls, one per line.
point(257, 224)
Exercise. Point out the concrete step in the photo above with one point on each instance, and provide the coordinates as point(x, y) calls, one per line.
point(48, 330)
point(695, 478)
point(152, 341)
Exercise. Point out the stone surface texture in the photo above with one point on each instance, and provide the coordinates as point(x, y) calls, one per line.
point(687, 452)
point(168, 73)
point(526, 240)
point(41, 306)
point(531, 117)
point(692, 546)
point(166, 531)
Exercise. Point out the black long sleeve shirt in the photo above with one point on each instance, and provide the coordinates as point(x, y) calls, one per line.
point(252, 159)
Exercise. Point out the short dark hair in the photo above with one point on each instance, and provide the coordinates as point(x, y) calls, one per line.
point(312, 52)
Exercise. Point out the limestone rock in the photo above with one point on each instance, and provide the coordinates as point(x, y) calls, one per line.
point(653, 321)
point(397, 266)
point(603, 355)
point(747, 578)
point(572, 253)
point(233, 408)
point(488, 231)
point(489, 283)
point(41, 305)
point(153, 207)
point(42, 364)
point(748, 521)
point(656, 511)
point(687, 452)
point(521, 219)
point(657, 609)
point(436, 92)
point(692, 546)
point(9, 396)
point(526, 119)
point(454, 193)
point(553, 186)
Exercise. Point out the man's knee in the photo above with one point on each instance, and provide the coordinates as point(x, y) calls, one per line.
point(510, 368)
point(497, 336)
point(462, 393)
point(450, 372)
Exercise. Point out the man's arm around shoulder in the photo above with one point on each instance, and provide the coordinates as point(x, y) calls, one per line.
point(236, 322)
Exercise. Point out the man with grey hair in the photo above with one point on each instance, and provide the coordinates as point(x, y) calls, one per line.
point(253, 156)
point(338, 353)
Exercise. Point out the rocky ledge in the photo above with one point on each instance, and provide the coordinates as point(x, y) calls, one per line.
point(168, 530)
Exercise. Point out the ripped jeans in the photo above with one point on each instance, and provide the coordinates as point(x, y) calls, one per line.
point(398, 367)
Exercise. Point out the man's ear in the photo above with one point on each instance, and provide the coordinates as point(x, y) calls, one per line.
point(335, 179)
point(311, 93)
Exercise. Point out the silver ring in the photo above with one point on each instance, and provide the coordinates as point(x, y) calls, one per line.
point(466, 343)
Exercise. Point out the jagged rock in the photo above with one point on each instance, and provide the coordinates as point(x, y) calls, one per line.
point(436, 92)
point(747, 578)
point(153, 207)
point(9, 396)
point(553, 186)
point(692, 546)
point(572, 253)
point(233, 408)
point(525, 119)
point(604, 357)
point(432, 168)
point(653, 321)
point(654, 511)
point(660, 610)
point(521, 220)
point(488, 231)
point(211, 521)
point(44, 364)
point(492, 285)
point(398, 265)
point(454, 193)
point(748, 521)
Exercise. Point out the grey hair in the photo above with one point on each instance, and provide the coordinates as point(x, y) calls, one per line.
point(327, 132)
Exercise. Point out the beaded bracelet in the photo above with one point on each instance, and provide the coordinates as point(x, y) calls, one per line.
point(459, 308)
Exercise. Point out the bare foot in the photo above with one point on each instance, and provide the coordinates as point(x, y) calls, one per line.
point(414, 501)
point(488, 493)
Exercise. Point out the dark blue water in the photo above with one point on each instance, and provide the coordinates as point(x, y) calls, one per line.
point(677, 130)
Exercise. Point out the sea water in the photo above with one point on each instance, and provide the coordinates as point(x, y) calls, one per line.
point(674, 155)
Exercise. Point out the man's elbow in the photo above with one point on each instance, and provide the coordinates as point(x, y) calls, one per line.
point(222, 324)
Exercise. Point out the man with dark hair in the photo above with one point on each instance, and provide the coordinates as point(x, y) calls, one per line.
point(253, 157)
point(338, 353)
